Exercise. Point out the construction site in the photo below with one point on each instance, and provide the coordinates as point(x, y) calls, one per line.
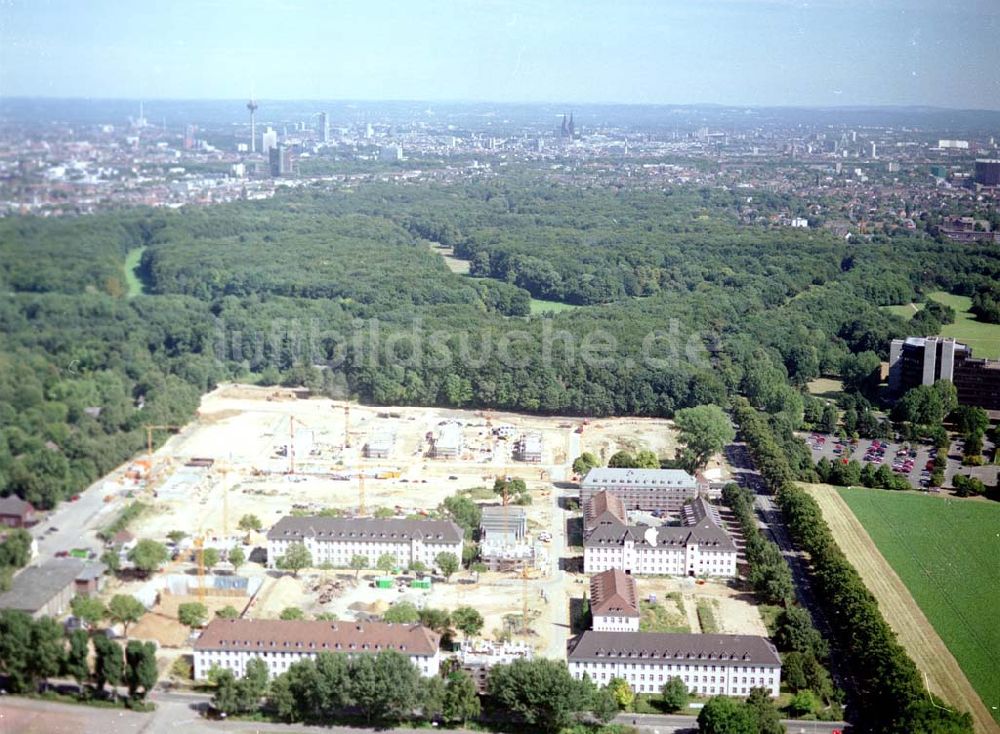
point(271, 452)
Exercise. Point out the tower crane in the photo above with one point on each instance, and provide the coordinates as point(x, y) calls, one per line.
point(149, 439)
point(347, 426)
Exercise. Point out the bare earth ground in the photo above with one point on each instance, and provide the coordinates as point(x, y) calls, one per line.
point(244, 427)
point(161, 624)
point(943, 675)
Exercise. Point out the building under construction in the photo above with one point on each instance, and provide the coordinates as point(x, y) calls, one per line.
point(449, 442)
point(379, 445)
point(529, 448)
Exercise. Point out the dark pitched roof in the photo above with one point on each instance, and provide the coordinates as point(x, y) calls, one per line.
point(278, 635)
point(706, 535)
point(365, 529)
point(665, 646)
point(14, 505)
point(35, 586)
point(614, 592)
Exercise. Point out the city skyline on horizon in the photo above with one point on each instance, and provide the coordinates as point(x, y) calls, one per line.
point(731, 53)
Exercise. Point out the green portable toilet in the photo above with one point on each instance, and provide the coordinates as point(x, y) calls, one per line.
point(384, 582)
point(420, 584)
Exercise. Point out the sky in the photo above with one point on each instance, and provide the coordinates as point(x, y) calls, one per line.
point(735, 52)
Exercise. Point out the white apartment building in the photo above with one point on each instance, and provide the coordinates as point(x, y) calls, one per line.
point(701, 549)
point(709, 665)
point(335, 540)
point(614, 602)
point(232, 643)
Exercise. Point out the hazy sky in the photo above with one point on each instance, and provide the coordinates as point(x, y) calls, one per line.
point(753, 52)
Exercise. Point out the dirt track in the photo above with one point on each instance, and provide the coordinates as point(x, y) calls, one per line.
point(943, 674)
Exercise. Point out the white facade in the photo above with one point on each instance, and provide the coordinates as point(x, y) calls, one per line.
point(701, 677)
point(232, 644)
point(615, 623)
point(336, 540)
point(708, 665)
point(279, 660)
point(687, 558)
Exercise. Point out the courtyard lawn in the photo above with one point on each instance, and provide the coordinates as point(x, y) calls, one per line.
point(984, 338)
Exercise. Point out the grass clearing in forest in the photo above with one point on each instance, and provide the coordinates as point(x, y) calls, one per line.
point(945, 551)
point(540, 306)
point(132, 280)
point(984, 338)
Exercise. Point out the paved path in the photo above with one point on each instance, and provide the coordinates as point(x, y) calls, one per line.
point(177, 714)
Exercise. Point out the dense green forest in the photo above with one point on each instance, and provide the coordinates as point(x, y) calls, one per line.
point(686, 306)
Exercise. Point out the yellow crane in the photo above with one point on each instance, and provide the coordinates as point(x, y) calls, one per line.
point(149, 440)
point(361, 491)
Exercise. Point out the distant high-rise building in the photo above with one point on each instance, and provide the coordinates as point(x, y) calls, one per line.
point(324, 127)
point(953, 144)
point(572, 127)
point(391, 153)
point(369, 131)
point(280, 160)
point(564, 129)
point(269, 140)
point(988, 171)
point(872, 152)
point(189, 133)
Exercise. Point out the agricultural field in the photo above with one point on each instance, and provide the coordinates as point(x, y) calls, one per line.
point(984, 338)
point(946, 553)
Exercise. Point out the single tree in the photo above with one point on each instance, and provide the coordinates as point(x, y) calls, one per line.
point(622, 460)
point(192, 614)
point(148, 555)
point(723, 715)
point(622, 692)
point(108, 663)
point(112, 560)
point(447, 562)
point(48, 649)
point(249, 522)
point(210, 557)
point(540, 691)
point(291, 613)
point(764, 713)
point(358, 563)
point(468, 620)
point(295, 559)
point(176, 536)
point(77, 662)
point(704, 431)
point(236, 557)
point(401, 613)
point(125, 609)
point(386, 562)
point(140, 668)
point(89, 609)
point(461, 701)
point(227, 612)
point(674, 695)
point(584, 463)
point(17, 649)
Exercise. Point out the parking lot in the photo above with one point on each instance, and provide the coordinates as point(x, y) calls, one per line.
point(908, 459)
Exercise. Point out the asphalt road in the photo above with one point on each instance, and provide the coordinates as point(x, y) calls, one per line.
point(77, 522)
point(179, 712)
point(772, 524)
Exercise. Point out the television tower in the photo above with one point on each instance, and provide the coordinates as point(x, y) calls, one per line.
point(252, 106)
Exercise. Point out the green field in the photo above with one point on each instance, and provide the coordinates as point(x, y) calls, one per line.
point(947, 552)
point(135, 286)
point(539, 306)
point(984, 338)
